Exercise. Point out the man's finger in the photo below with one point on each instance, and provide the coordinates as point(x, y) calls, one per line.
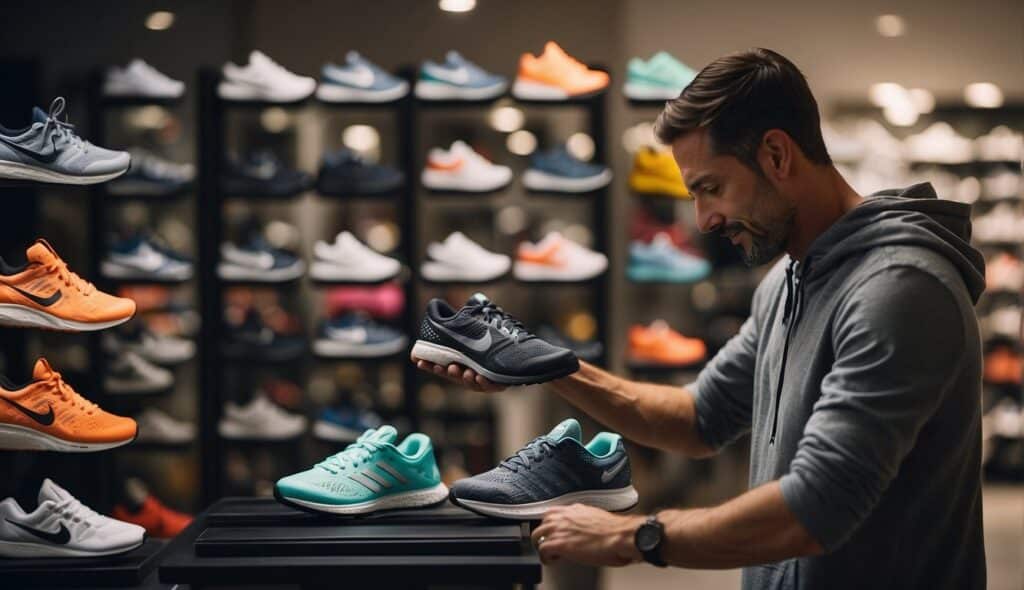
point(550, 551)
point(544, 530)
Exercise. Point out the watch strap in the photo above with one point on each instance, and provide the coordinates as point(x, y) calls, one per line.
point(653, 556)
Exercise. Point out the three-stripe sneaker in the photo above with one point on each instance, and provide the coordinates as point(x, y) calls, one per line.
point(371, 474)
point(552, 470)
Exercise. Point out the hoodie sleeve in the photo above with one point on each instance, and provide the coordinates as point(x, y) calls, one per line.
point(724, 390)
point(888, 379)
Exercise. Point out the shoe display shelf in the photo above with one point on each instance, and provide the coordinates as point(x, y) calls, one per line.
point(253, 542)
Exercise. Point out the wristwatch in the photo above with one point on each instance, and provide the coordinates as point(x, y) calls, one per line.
point(648, 540)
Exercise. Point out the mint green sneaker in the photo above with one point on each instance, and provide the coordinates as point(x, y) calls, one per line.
point(662, 77)
point(370, 474)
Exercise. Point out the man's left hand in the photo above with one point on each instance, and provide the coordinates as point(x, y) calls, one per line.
point(587, 535)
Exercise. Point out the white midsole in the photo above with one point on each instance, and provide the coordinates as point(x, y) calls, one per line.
point(333, 432)
point(536, 91)
point(20, 171)
point(12, 314)
point(328, 347)
point(430, 90)
point(638, 91)
point(338, 93)
point(616, 500)
point(232, 91)
point(529, 271)
point(16, 549)
point(446, 181)
point(425, 497)
point(14, 437)
point(119, 271)
point(444, 356)
point(542, 181)
point(234, 272)
point(326, 271)
point(438, 272)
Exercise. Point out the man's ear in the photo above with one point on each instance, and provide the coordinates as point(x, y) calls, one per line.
point(776, 154)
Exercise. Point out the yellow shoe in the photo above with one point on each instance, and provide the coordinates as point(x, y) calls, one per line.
point(655, 172)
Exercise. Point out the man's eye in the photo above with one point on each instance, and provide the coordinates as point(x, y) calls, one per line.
point(710, 189)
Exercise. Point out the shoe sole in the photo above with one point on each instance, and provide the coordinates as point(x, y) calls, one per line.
point(325, 271)
point(651, 274)
point(535, 180)
point(427, 90)
point(12, 314)
point(231, 272)
point(530, 272)
point(618, 500)
point(19, 171)
point(20, 438)
point(636, 91)
point(336, 348)
point(440, 273)
point(413, 499)
point(442, 182)
point(244, 93)
point(444, 356)
point(527, 90)
point(14, 549)
point(337, 93)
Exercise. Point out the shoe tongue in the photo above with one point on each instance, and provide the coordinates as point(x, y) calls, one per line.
point(384, 434)
point(352, 58)
point(477, 299)
point(257, 57)
point(552, 49)
point(39, 115)
point(53, 492)
point(41, 252)
point(454, 58)
point(42, 370)
point(569, 428)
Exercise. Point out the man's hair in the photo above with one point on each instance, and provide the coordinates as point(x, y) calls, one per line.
point(739, 97)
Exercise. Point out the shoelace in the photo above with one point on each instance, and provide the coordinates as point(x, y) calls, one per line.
point(68, 394)
point(356, 452)
point(74, 510)
point(68, 277)
point(61, 129)
point(533, 452)
point(495, 316)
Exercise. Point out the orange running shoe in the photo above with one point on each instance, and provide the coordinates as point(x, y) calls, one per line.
point(43, 293)
point(658, 344)
point(554, 75)
point(159, 521)
point(48, 415)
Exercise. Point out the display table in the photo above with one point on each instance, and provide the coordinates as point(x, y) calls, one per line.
point(253, 541)
point(128, 570)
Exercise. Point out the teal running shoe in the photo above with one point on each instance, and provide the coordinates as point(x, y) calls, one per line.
point(662, 261)
point(662, 77)
point(371, 474)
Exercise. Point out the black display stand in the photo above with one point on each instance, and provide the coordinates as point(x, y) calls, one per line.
point(247, 542)
point(128, 570)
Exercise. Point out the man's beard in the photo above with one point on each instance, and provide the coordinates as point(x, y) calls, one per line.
point(769, 234)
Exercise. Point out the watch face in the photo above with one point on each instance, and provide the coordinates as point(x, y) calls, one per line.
point(647, 537)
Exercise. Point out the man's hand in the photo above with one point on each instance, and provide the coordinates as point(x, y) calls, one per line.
point(587, 535)
point(459, 375)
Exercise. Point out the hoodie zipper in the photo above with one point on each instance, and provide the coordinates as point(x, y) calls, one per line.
point(794, 300)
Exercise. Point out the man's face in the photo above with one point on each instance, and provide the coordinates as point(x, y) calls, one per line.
point(734, 201)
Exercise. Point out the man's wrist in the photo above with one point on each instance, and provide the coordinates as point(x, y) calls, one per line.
point(625, 538)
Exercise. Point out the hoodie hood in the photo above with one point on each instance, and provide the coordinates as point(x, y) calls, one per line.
point(913, 216)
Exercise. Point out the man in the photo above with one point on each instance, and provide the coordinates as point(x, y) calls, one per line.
point(858, 373)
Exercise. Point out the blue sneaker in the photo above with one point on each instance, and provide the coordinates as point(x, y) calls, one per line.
point(556, 170)
point(371, 474)
point(458, 79)
point(662, 261)
point(258, 261)
point(359, 80)
point(346, 173)
point(552, 470)
point(344, 425)
point(356, 335)
point(48, 150)
point(141, 258)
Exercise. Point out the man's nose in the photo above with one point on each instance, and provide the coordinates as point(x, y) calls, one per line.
point(707, 219)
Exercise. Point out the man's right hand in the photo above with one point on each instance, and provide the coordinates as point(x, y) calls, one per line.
point(460, 375)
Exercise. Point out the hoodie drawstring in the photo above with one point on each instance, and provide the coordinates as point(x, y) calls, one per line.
point(790, 315)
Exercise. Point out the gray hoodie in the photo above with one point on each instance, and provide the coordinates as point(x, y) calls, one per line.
point(858, 375)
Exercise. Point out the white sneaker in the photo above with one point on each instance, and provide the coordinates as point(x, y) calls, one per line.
point(461, 169)
point(1002, 224)
point(1002, 144)
point(1002, 184)
point(158, 428)
point(139, 78)
point(263, 79)
point(61, 526)
point(258, 264)
point(129, 373)
point(556, 258)
point(260, 419)
point(157, 348)
point(348, 259)
point(939, 143)
point(460, 259)
point(1004, 321)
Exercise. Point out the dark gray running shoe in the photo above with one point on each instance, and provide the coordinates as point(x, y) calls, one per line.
point(494, 344)
point(552, 470)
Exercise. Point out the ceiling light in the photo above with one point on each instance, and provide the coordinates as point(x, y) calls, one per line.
point(275, 119)
point(361, 138)
point(521, 143)
point(891, 25)
point(457, 5)
point(581, 146)
point(924, 101)
point(507, 119)
point(161, 20)
point(983, 95)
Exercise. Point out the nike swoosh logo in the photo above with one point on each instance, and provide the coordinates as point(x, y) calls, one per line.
point(59, 537)
point(456, 76)
point(481, 344)
point(360, 76)
point(44, 419)
point(43, 301)
point(610, 473)
point(41, 158)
